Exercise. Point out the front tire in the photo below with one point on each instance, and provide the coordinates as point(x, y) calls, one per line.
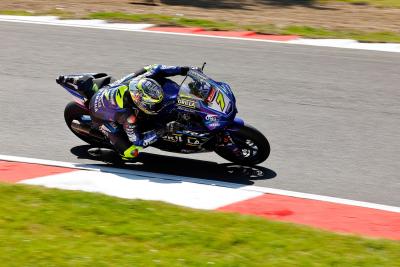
point(250, 147)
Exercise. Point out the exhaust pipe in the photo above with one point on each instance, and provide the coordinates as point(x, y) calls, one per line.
point(85, 129)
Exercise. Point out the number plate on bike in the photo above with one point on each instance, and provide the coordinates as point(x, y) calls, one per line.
point(219, 101)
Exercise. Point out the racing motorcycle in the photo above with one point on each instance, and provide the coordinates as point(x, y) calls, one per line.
point(208, 122)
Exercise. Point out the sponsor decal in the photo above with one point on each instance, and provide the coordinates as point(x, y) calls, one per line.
point(187, 103)
point(192, 141)
point(189, 110)
point(214, 125)
point(149, 141)
point(212, 94)
point(211, 117)
point(173, 138)
point(99, 102)
point(195, 133)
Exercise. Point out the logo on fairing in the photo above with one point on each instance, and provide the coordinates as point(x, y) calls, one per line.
point(214, 125)
point(192, 141)
point(99, 102)
point(210, 117)
point(186, 103)
point(173, 138)
point(149, 141)
point(195, 133)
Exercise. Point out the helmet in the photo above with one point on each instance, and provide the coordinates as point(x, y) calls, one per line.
point(147, 94)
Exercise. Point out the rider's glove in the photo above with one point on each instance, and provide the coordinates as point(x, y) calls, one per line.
point(184, 70)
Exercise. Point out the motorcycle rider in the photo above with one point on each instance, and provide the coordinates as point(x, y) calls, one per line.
point(119, 104)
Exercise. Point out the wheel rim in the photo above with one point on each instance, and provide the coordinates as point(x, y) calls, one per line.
point(244, 148)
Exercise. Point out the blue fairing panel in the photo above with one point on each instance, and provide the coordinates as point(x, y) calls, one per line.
point(74, 93)
point(171, 90)
point(237, 124)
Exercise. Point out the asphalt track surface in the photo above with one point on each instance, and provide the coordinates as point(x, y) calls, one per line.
point(332, 115)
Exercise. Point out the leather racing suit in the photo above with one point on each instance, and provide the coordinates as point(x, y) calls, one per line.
point(113, 109)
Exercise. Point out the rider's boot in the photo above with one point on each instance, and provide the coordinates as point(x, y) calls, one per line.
point(131, 152)
point(120, 141)
point(130, 142)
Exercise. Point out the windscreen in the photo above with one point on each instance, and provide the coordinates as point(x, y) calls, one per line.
point(198, 86)
point(195, 85)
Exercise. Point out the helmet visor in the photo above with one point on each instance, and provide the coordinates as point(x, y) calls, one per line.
point(151, 90)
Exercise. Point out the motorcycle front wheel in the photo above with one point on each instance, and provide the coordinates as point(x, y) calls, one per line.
point(248, 147)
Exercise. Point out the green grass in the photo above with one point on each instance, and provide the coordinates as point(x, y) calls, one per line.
point(47, 227)
point(304, 31)
point(16, 13)
point(53, 12)
point(165, 20)
point(311, 32)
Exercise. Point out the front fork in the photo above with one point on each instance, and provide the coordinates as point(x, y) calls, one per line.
point(225, 141)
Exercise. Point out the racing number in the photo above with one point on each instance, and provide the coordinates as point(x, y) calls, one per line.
point(220, 101)
point(119, 96)
point(119, 93)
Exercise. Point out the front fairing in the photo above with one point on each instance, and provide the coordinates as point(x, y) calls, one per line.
point(214, 101)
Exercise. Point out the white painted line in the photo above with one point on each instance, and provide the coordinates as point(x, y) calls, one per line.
point(94, 24)
point(140, 174)
point(348, 43)
point(150, 175)
point(183, 193)
point(100, 24)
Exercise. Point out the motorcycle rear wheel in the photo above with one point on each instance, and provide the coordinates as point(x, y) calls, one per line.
point(250, 147)
point(73, 111)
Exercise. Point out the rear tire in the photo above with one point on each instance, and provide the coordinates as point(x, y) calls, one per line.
point(73, 111)
point(253, 147)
